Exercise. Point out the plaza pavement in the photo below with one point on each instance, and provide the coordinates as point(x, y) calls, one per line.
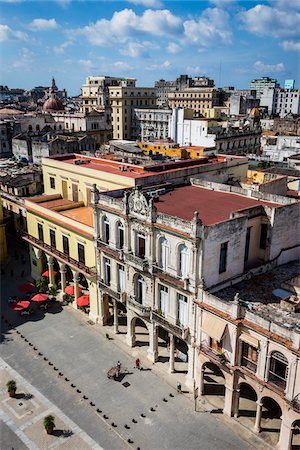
point(147, 413)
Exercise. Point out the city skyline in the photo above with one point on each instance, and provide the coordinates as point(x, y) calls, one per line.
point(229, 41)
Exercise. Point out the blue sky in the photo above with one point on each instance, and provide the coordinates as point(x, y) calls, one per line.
point(230, 41)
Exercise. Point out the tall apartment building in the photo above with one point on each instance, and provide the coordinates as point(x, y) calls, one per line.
point(281, 101)
point(95, 93)
point(181, 83)
point(259, 84)
point(123, 99)
point(198, 99)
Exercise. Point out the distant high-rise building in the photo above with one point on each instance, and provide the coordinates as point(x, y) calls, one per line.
point(281, 102)
point(289, 84)
point(259, 84)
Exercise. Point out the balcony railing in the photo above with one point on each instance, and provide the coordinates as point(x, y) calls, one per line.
point(108, 290)
point(140, 310)
point(136, 261)
point(217, 357)
point(248, 364)
point(62, 256)
point(277, 381)
point(177, 330)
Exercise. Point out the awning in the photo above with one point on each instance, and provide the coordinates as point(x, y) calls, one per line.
point(249, 340)
point(213, 326)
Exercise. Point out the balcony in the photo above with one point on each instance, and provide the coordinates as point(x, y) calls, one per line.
point(63, 257)
point(137, 262)
point(105, 288)
point(217, 357)
point(248, 364)
point(277, 381)
point(176, 330)
point(140, 310)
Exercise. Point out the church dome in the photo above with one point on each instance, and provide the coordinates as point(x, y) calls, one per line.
point(52, 104)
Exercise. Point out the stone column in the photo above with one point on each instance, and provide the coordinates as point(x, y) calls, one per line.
point(286, 434)
point(201, 380)
point(258, 416)
point(76, 288)
point(231, 401)
point(130, 336)
point(36, 262)
point(152, 352)
point(51, 271)
point(190, 377)
point(172, 356)
point(63, 283)
point(116, 320)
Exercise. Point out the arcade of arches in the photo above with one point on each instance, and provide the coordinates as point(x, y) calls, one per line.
point(253, 405)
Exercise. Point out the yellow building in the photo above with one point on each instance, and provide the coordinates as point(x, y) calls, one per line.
point(196, 98)
point(123, 100)
point(3, 246)
point(171, 150)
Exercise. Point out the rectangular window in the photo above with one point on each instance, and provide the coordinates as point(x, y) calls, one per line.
point(249, 357)
point(81, 255)
point(52, 239)
point(182, 309)
point(75, 192)
point(263, 236)
point(223, 257)
point(52, 182)
point(247, 244)
point(106, 266)
point(65, 241)
point(121, 278)
point(140, 246)
point(40, 232)
point(120, 236)
point(163, 299)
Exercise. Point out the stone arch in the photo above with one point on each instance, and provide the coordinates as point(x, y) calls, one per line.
point(69, 274)
point(140, 332)
point(213, 384)
point(295, 441)
point(270, 419)
point(247, 400)
point(83, 281)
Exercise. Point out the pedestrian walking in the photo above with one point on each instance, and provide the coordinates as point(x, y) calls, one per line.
point(138, 364)
point(119, 366)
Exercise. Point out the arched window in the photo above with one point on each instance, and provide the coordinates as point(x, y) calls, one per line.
point(163, 253)
point(120, 235)
point(105, 230)
point(183, 260)
point(278, 369)
point(140, 289)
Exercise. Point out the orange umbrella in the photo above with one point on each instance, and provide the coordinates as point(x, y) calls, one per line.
point(84, 300)
point(40, 297)
point(71, 290)
point(47, 274)
point(19, 306)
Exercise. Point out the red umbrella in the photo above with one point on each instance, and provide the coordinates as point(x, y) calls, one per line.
point(84, 300)
point(47, 274)
point(71, 290)
point(19, 306)
point(26, 287)
point(40, 297)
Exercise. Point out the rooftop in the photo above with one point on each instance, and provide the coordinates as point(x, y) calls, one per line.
point(258, 294)
point(213, 206)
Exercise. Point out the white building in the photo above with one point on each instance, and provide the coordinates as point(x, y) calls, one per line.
point(281, 101)
point(161, 255)
point(227, 137)
point(150, 123)
point(259, 84)
point(279, 148)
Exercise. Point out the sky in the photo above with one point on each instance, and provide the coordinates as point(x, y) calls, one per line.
point(230, 41)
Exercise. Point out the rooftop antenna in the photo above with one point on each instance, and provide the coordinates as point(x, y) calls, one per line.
point(220, 73)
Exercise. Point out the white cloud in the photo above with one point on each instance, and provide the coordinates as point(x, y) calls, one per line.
point(43, 24)
point(211, 27)
point(147, 3)
point(265, 20)
point(60, 49)
point(194, 70)
point(173, 48)
point(259, 66)
point(126, 23)
point(291, 45)
point(164, 65)
point(6, 34)
point(134, 50)
point(25, 60)
point(222, 3)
